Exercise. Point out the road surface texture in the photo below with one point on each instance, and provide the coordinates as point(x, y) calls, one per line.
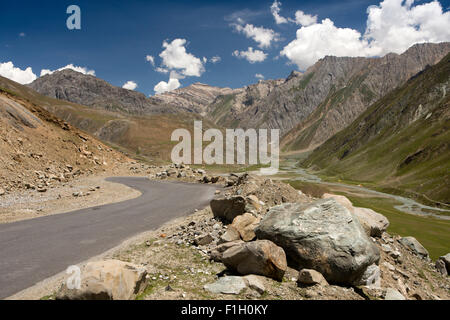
point(35, 249)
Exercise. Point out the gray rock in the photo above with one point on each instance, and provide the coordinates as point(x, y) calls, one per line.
point(204, 240)
point(230, 235)
point(440, 266)
point(446, 260)
point(311, 277)
point(107, 280)
point(261, 257)
point(393, 294)
point(228, 208)
point(412, 244)
point(255, 282)
point(324, 236)
point(217, 252)
point(227, 285)
point(373, 222)
point(371, 277)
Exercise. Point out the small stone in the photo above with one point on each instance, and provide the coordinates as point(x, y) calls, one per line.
point(393, 294)
point(311, 277)
point(227, 285)
point(204, 240)
point(440, 266)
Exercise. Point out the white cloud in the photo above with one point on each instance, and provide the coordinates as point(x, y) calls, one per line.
point(304, 19)
point(130, 85)
point(251, 55)
point(166, 86)
point(8, 70)
point(150, 59)
point(162, 70)
point(259, 76)
point(264, 37)
point(393, 26)
point(318, 40)
point(82, 70)
point(275, 10)
point(22, 34)
point(175, 57)
point(215, 59)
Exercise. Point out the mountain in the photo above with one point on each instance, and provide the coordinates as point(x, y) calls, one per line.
point(73, 86)
point(144, 134)
point(307, 107)
point(401, 142)
point(37, 148)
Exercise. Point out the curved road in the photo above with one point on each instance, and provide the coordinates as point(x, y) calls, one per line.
point(33, 250)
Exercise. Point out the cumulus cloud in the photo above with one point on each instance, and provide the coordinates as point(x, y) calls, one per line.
point(259, 76)
point(150, 59)
point(264, 37)
point(215, 59)
point(163, 86)
point(22, 34)
point(8, 70)
point(82, 70)
point(321, 39)
point(275, 10)
point(175, 57)
point(130, 85)
point(304, 19)
point(251, 55)
point(392, 26)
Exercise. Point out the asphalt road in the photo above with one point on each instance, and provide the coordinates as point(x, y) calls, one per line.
point(33, 250)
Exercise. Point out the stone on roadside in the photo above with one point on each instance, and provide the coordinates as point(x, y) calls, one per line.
point(230, 235)
point(393, 294)
point(371, 277)
point(228, 208)
point(203, 240)
point(323, 236)
point(255, 282)
point(227, 285)
point(217, 252)
point(107, 280)
point(446, 260)
point(441, 268)
point(246, 224)
point(311, 277)
point(415, 246)
point(261, 257)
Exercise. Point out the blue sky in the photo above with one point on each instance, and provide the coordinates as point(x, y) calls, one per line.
point(116, 36)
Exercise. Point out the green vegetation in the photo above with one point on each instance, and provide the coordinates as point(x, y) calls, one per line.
point(432, 233)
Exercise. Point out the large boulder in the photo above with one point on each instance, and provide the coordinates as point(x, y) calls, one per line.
point(324, 236)
point(412, 244)
point(228, 208)
point(373, 223)
point(246, 224)
point(261, 257)
point(107, 280)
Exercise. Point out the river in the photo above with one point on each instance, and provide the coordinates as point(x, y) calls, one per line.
point(407, 205)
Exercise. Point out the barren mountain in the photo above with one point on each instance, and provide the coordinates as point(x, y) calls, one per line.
point(90, 91)
point(37, 149)
point(401, 142)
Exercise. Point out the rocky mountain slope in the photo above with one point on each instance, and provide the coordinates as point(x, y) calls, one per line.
point(307, 107)
point(73, 86)
point(38, 150)
point(401, 142)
